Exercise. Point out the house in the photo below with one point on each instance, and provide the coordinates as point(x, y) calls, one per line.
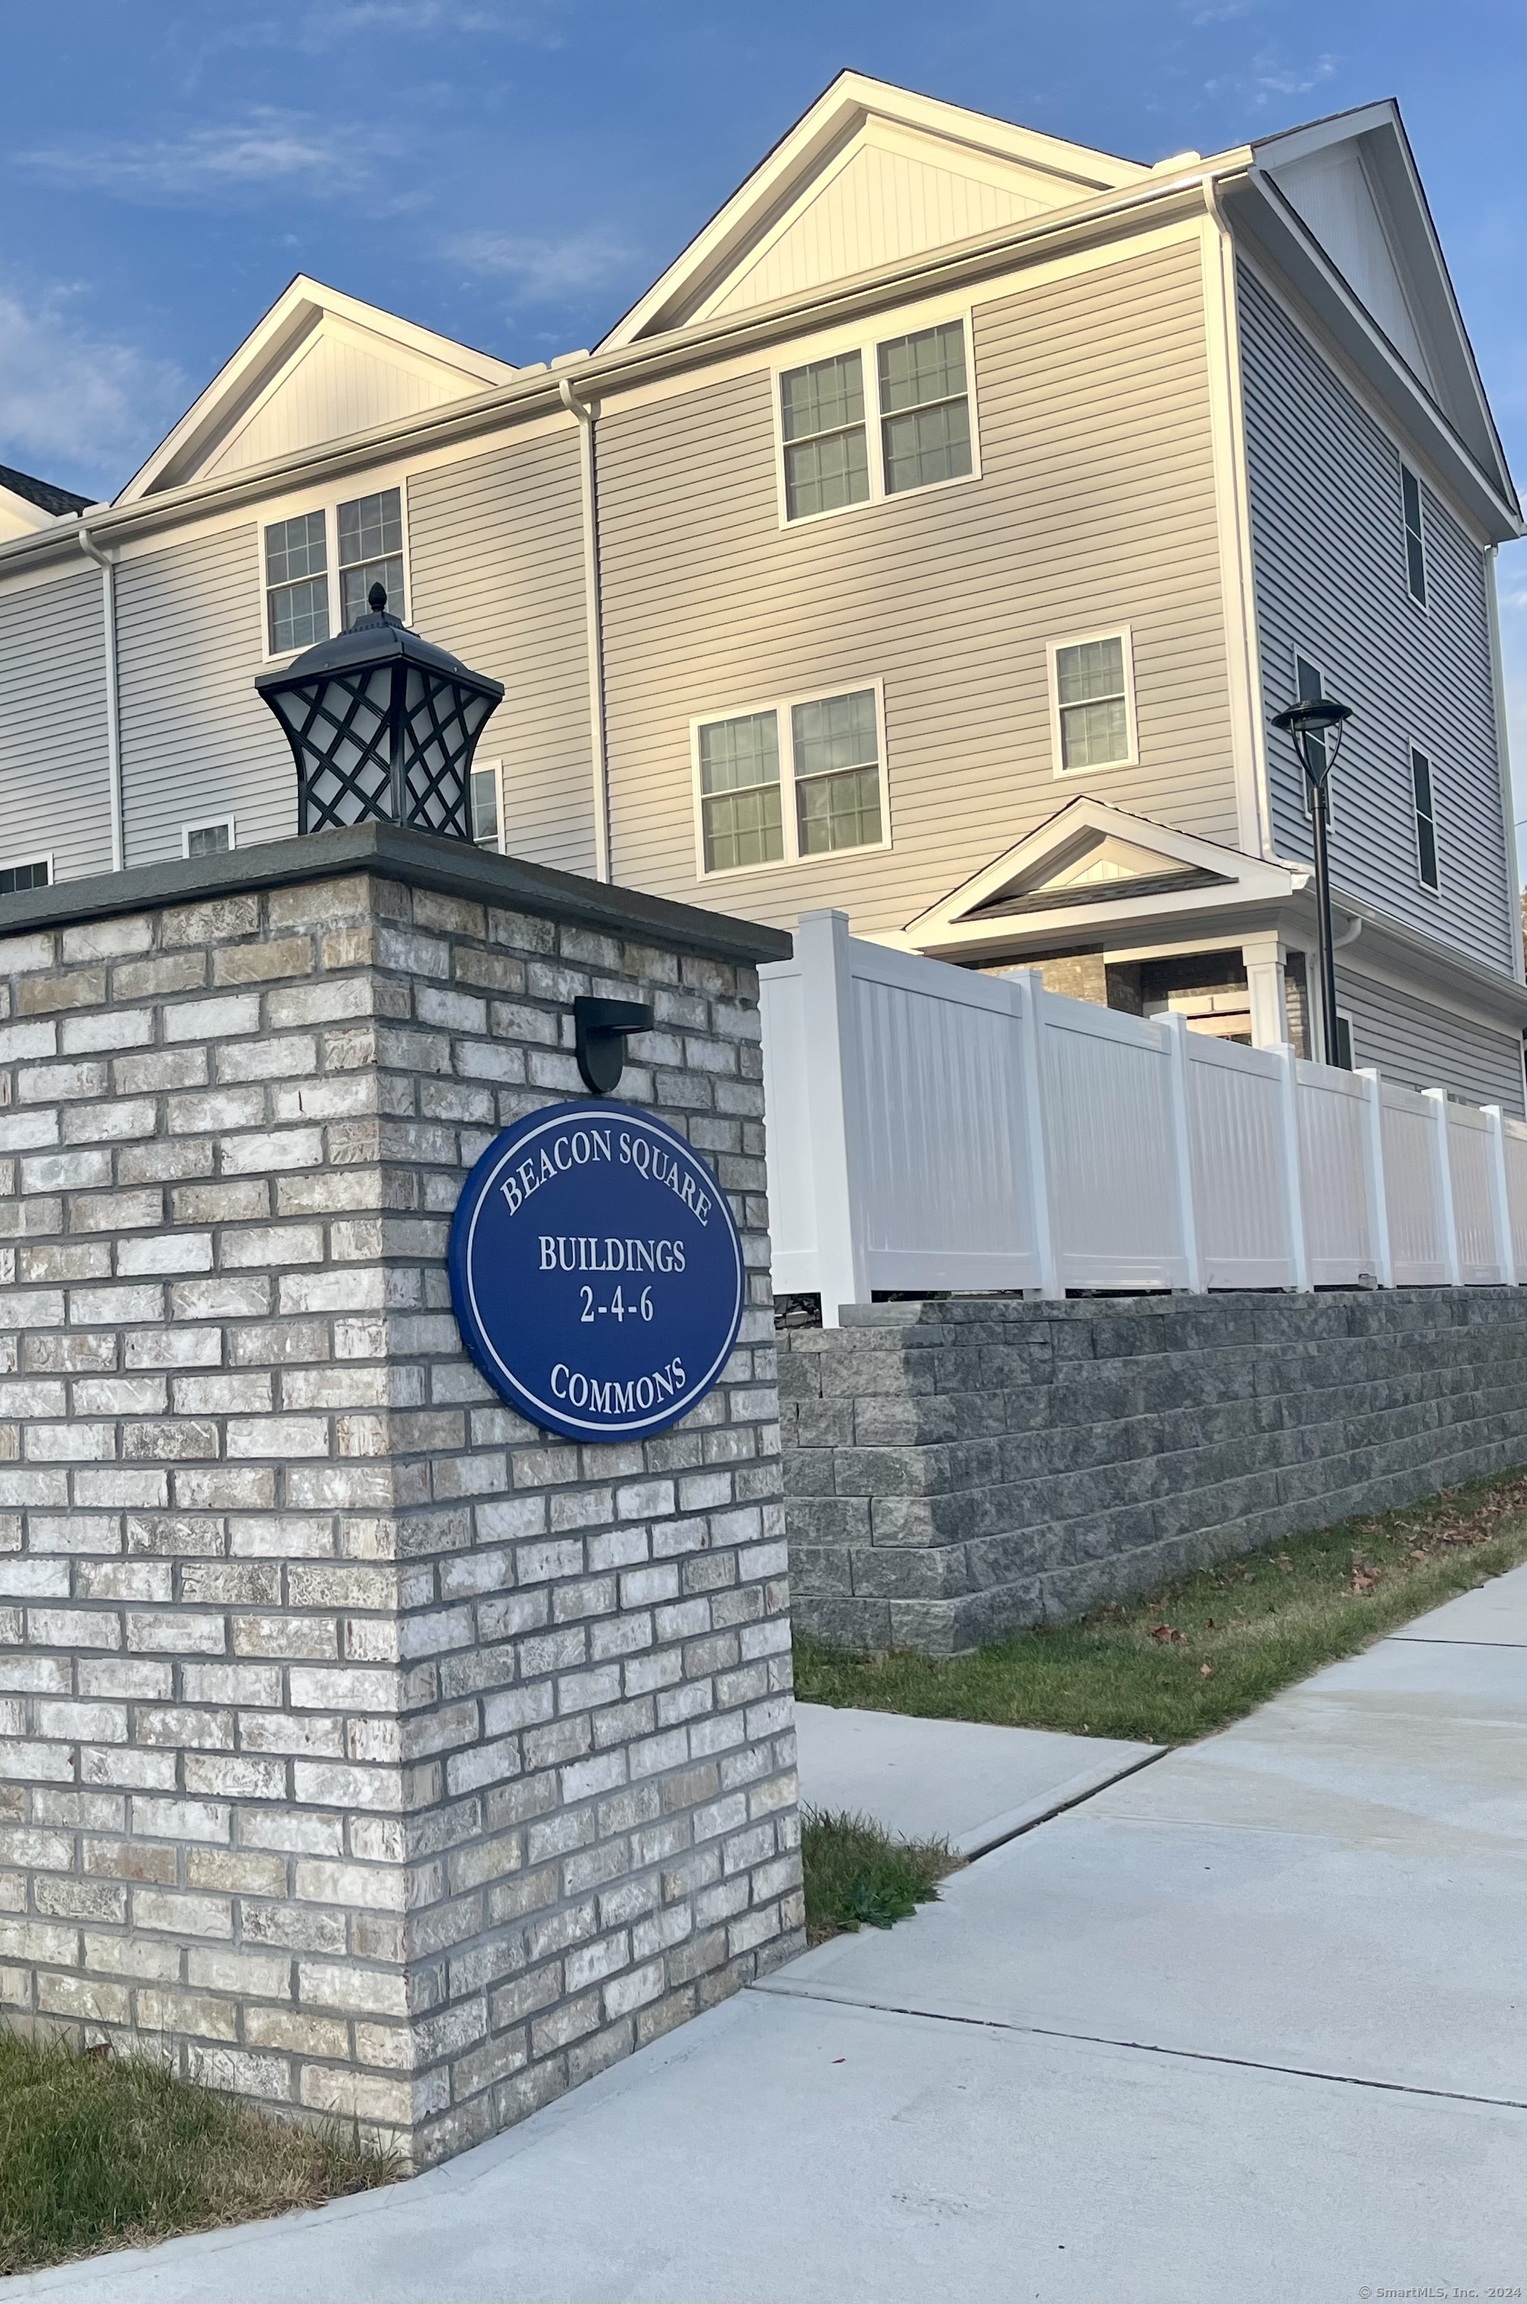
point(936, 540)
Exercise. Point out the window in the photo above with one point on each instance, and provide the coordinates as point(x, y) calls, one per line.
point(320, 566)
point(487, 828)
point(32, 872)
point(1344, 1041)
point(1309, 684)
point(370, 552)
point(296, 583)
point(1092, 702)
point(920, 420)
point(787, 781)
point(1426, 819)
point(213, 839)
point(1415, 535)
point(924, 414)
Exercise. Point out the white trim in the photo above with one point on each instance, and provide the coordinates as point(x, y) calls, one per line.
point(781, 706)
point(798, 355)
point(1129, 759)
point(23, 863)
point(329, 507)
point(209, 824)
point(494, 768)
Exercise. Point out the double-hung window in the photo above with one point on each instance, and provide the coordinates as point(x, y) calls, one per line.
point(781, 782)
point(1426, 819)
point(1092, 704)
point(320, 566)
point(876, 420)
point(1415, 535)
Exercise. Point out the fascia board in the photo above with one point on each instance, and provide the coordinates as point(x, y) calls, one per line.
point(1290, 144)
point(1226, 911)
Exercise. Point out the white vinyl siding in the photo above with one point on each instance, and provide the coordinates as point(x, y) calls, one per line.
point(787, 781)
point(53, 777)
point(1096, 510)
point(1333, 586)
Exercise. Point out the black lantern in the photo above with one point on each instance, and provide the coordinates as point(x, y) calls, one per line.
point(381, 723)
point(1316, 724)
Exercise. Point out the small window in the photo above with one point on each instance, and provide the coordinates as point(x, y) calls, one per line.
point(486, 825)
point(1093, 707)
point(1426, 819)
point(1415, 535)
point(213, 839)
point(1309, 686)
point(297, 583)
point(822, 414)
point(370, 552)
point(740, 810)
point(1344, 1041)
point(924, 413)
point(33, 872)
point(837, 773)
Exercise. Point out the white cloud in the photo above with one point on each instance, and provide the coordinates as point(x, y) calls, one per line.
point(267, 146)
point(544, 271)
point(1266, 78)
point(75, 406)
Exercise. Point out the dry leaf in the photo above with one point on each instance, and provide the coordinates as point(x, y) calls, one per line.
point(1166, 1632)
point(1285, 1564)
point(1206, 1671)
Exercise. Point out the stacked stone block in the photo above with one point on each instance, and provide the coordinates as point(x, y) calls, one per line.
point(363, 1747)
point(958, 1468)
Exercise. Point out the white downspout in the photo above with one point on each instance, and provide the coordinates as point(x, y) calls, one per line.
point(108, 570)
point(587, 416)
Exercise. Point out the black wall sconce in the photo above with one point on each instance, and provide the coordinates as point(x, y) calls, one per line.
point(601, 1027)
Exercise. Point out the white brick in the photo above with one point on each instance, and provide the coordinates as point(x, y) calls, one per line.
point(170, 1252)
point(212, 1019)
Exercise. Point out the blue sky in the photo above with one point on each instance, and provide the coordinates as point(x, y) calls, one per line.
point(514, 172)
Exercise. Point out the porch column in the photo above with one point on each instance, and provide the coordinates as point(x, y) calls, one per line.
point(1263, 956)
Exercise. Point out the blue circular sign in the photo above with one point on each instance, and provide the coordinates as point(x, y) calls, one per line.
point(597, 1271)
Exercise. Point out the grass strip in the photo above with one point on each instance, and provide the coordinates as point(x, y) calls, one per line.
point(858, 1876)
point(1206, 1648)
point(100, 2151)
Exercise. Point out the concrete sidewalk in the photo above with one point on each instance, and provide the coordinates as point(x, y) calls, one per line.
point(1247, 2024)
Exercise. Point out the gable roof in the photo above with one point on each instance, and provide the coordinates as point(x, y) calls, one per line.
point(1088, 867)
point(42, 493)
point(868, 175)
point(319, 366)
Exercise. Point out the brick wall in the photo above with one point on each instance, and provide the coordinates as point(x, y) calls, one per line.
point(957, 1469)
point(368, 1749)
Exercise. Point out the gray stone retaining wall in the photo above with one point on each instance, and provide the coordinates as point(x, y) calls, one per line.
point(956, 1469)
point(366, 1748)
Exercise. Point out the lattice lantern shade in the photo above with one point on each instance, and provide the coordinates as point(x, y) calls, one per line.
point(381, 723)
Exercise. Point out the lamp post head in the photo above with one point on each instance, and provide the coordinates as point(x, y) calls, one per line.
point(1310, 721)
point(381, 724)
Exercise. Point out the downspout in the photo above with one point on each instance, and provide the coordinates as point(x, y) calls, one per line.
point(1241, 511)
point(588, 416)
point(108, 568)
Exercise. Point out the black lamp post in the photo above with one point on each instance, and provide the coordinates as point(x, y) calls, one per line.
point(381, 723)
point(1316, 724)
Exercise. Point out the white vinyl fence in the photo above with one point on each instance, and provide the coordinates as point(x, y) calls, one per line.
point(930, 1128)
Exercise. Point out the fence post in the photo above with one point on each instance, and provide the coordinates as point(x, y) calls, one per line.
point(1500, 1197)
point(1437, 1098)
point(1182, 1148)
point(1293, 1189)
point(1378, 1197)
point(1028, 1003)
point(832, 1109)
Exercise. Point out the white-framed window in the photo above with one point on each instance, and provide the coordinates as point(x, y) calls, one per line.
point(487, 804)
point(213, 838)
point(874, 418)
point(1423, 801)
point(1309, 687)
point(318, 567)
point(1092, 702)
point(785, 782)
point(18, 873)
point(1415, 535)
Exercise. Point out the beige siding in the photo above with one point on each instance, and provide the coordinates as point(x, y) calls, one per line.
point(496, 554)
point(196, 740)
point(54, 794)
point(1096, 508)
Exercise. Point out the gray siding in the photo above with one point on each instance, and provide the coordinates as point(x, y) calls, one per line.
point(1419, 1046)
point(1095, 508)
point(496, 557)
point(54, 791)
point(1329, 549)
point(196, 740)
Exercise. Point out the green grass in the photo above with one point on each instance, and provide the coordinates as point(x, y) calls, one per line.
point(1203, 1649)
point(858, 1876)
point(99, 2151)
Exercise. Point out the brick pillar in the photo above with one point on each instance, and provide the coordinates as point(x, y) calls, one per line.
point(370, 1748)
